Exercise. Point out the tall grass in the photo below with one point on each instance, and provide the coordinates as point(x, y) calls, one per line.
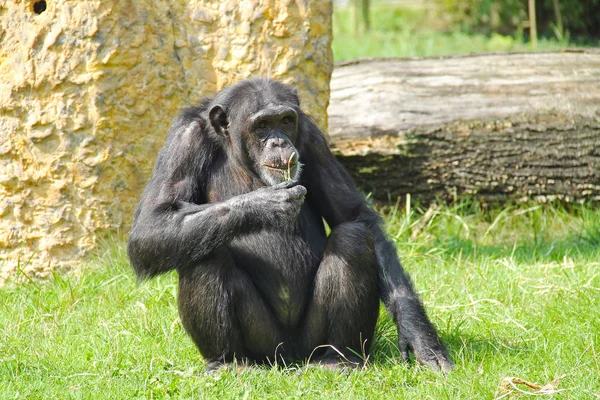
point(514, 291)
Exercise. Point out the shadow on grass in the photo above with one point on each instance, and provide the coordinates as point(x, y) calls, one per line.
point(460, 345)
point(583, 245)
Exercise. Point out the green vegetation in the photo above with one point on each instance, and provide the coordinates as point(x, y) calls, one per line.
point(514, 291)
point(419, 30)
point(576, 17)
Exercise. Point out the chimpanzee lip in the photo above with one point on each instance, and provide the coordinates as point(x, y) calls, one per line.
point(282, 168)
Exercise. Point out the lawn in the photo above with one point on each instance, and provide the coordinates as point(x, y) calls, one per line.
point(514, 291)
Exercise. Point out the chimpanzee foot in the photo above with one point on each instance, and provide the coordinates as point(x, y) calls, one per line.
point(337, 363)
point(214, 366)
point(238, 365)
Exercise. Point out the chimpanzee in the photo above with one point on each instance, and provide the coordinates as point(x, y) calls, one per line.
point(236, 205)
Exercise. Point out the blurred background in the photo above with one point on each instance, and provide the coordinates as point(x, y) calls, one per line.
point(416, 28)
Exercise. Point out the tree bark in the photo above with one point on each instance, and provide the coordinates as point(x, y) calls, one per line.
point(499, 127)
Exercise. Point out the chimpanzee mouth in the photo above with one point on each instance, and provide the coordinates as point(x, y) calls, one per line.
point(278, 169)
point(275, 174)
point(283, 169)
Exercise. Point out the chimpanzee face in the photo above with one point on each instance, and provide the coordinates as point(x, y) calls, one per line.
point(262, 132)
point(271, 135)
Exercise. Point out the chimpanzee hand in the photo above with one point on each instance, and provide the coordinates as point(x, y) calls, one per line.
point(427, 348)
point(287, 199)
point(275, 206)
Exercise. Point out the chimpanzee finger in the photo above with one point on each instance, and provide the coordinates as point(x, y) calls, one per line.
point(298, 191)
point(404, 348)
point(285, 185)
point(436, 359)
point(446, 365)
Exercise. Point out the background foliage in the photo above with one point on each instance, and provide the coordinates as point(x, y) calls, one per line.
point(579, 17)
point(417, 28)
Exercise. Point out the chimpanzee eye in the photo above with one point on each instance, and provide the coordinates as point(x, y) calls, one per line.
point(286, 120)
point(262, 124)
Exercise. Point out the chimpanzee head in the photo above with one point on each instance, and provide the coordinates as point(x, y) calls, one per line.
point(259, 119)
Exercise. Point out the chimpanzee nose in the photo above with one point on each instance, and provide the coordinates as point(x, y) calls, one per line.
point(276, 142)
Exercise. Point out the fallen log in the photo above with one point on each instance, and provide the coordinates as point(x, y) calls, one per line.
point(496, 126)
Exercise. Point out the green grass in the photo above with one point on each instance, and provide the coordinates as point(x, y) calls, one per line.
point(415, 31)
point(515, 292)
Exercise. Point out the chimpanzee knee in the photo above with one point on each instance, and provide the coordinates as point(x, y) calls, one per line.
point(355, 241)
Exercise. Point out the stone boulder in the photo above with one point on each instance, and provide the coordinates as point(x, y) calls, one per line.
point(88, 90)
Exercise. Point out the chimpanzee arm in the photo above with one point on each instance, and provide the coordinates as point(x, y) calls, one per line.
point(331, 190)
point(173, 226)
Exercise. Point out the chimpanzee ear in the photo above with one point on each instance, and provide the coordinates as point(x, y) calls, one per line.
point(218, 119)
point(295, 94)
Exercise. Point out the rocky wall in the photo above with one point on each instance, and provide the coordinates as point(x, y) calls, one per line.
point(88, 89)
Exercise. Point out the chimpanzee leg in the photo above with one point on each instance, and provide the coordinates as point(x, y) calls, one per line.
point(224, 314)
point(345, 304)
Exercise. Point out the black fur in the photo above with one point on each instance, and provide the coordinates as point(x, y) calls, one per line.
point(259, 279)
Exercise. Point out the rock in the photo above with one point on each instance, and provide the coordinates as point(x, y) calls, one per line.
point(88, 90)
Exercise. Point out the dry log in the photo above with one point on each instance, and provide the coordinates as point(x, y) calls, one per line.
point(496, 126)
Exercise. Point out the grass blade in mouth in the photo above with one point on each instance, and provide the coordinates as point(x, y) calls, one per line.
point(287, 175)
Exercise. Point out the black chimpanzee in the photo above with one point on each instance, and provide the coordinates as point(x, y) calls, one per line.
point(236, 205)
